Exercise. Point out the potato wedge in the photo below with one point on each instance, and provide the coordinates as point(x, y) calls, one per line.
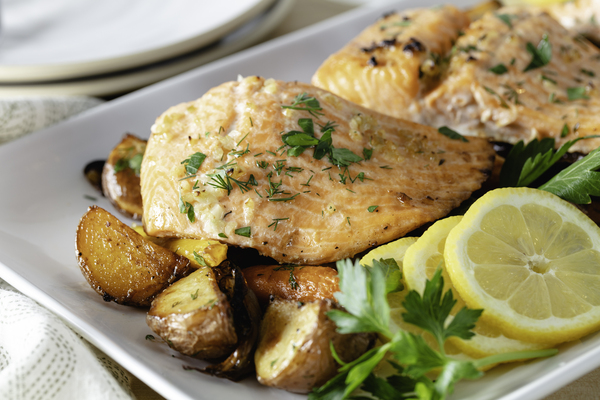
point(121, 176)
point(210, 314)
point(300, 283)
point(293, 350)
point(200, 252)
point(120, 264)
point(194, 317)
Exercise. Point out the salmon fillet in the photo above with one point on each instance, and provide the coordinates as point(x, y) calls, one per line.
point(486, 88)
point(283, 199)
point(394, 61)
point(580, 16)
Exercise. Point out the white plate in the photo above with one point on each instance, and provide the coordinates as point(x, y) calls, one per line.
point(42, 199)
point(252, 32)
point(49, 40)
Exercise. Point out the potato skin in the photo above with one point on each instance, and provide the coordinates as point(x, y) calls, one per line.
point(293, 351)
point(313, 283)
point(121, 265)
point(200, 326)
point(123, 188)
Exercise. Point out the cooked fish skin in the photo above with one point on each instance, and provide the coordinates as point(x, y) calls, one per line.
point(380, 68)
point(519, 105)
point(510, 106)
point(415, 174)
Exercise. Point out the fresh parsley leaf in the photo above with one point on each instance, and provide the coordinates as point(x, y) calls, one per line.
point(363, 294)
point(186, 208)
point(499, 69)
point(452, 134)
point(372, 208)
point(577, 93)
point(304, 102)
point(222, 235)
point(295, 138)
point(430, 312)
point(578, 181)
point(493, 92)
point(193, 163)
point(245, 231)
point(392, 274)
point(524, 164)
point(454, 371)
point(307, 126)
point(367, 153)
point(343, 157)
point(540, 55)
point(135, 163)
point(324, 146)
point(506, 18)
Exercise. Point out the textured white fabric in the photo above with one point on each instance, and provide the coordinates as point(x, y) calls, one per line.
point(41, 358)
point(22, 115)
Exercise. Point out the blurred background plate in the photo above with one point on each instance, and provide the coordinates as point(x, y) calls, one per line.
point(116, 83)
point(51, 40)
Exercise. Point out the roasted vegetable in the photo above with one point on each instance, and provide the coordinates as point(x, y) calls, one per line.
point(210, 314)
point(93, 173)
point(121, 176)
point(120, 264)
point(194, 316)
point(200, 252)
point(293, 351)
point(300, 283)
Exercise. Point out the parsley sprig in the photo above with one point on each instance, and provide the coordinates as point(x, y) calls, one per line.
point(525, 164)
point(364, 296)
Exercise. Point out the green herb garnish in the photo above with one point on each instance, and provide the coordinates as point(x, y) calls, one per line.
point(372, 208)
point(506, 18)
point(577, 93)
point(499, 69)
point(292, 280)
point(452, 134)
point(303, 102)
point(540, 55)
point(245, 231)
point(193, 163)
point(199, 259)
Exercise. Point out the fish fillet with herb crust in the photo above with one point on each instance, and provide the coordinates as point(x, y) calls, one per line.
point(298, 173)
point(515, 74)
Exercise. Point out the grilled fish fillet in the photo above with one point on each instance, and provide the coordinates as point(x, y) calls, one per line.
point(582, 16)
point(557, 99)
point(394, 61)
point(299, 209)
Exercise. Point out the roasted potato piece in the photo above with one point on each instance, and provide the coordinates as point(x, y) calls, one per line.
point(194, 316)
point(293, 350)
point(300, 283)
point(210, 314)
point(120, 264)
point(207, 252)
point(121, 176)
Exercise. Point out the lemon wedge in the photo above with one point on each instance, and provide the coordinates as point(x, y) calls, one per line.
point(532, 261)
point(422, 260)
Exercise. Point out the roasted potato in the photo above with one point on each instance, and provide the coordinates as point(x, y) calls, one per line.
point(293, 350)
point(200, 252)
point(210, 314)
point(120, 264)
point(194, 316)
point(300, 283)
point(121, 176)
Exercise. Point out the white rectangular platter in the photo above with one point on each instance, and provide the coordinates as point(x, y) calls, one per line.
point(42, 197)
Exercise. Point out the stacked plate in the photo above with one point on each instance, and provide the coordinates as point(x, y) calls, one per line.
point(104, 48)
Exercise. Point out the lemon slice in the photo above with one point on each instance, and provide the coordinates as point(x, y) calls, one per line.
point(531, 261)
point(421, 262)
point(397, 250)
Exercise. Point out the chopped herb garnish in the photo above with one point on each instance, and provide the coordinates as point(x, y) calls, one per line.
point(565, 131)
point(499, 69)
point(308, 181)
point(304, 102)
point(491, 91)
point(222, 235)
point(275, 222)
point(385, 167)
point(194, 296)
point(186, 208)
point(150, 337)
point(452, 134)
point(245, 231)
point(540, 55)
point(587, 72)
point(506, 18)
point(92, 198)
point(511, 93)
point(193, 163)
point(367, 153)
point(577, 93)
point(284, 199)
point(348, 219)
point(199, 259)
point(128, 161)
point(372, 208)
point(545, 78)
point(292, 280)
